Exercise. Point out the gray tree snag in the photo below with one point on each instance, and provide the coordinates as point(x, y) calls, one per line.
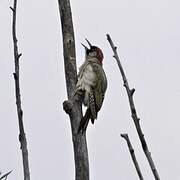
point(134, 116)
point(22, 137)
point(73, 106)
point(133, 156)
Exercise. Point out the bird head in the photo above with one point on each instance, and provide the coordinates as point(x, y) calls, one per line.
point(94, 51)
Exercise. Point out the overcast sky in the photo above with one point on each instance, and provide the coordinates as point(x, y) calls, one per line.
point(147, 34)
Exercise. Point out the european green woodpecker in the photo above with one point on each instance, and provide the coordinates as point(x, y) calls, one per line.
point(92, 84)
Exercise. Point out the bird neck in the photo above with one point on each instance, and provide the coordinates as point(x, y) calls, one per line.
point(95, 60)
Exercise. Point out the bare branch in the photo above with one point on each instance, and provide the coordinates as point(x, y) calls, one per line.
point(12, 9)
point(22, 137)
point(5, 175)
point(73, 107)
point(133, 156)
point(133, 111)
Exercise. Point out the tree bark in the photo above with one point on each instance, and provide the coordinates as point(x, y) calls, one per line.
point(134, 116)
point(22, 136)
point(73, 105)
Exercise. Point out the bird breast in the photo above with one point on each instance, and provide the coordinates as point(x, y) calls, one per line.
point(87, 78)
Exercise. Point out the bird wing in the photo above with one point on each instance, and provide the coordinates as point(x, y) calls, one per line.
point(101, 85)
point(92, 80)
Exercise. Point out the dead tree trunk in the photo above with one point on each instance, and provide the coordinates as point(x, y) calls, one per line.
point(73, 107)
point(22, 137)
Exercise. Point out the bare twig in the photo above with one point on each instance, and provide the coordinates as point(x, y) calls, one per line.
point(135, 118)
point(5, 175)
point(73, 107)
point(22, 137)
point(133, 156)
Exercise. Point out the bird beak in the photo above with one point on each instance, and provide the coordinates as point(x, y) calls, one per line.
point(84, 46)
point(89, 43)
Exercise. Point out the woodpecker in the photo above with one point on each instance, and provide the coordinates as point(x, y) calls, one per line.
point(91, 84)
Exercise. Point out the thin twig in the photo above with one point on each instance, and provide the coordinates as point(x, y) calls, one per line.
point(5, 175)
point(22, 137)
point(135, 118)
point(133, 156)
point(73, 106)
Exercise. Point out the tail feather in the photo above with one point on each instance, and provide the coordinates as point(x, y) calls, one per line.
point(84, 121)
point(92, 120)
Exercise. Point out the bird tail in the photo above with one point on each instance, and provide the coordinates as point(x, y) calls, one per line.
point(84, 121)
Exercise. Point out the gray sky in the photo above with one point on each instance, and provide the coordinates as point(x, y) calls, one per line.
point(148, 40)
